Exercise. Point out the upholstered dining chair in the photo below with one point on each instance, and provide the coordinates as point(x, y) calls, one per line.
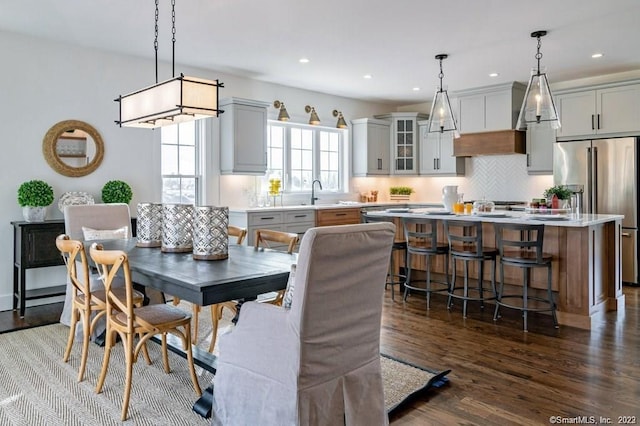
point(277, 240)
point(128, 321)
point(217, 308)
point(85, 223)
point(319, 361)
point(87, 306)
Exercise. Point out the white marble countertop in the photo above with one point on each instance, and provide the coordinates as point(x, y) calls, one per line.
point(510, 217)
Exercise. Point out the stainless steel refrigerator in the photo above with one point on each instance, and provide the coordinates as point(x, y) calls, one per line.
point(607, 170)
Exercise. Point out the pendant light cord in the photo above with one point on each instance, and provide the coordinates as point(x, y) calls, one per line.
point(441, 75)
point(173, 37)
point(538, 54)
point(155, 41)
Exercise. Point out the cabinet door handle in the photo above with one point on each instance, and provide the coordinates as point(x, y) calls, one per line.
point(435, 167)
point(592, 124)
point(379, 163)
point(528, 161)
point(438, 164)
point(598, 121)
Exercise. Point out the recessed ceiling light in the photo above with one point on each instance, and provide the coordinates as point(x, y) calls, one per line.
point(304, 60)
point(367, 76)
point(416, 89)
point(597, 55)
point(494, 74)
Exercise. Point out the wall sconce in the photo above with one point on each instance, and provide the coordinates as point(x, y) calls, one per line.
point(538, 106)
point(314, 120)
point(441, 116)
point(283, 115)
point(177, 100)
point(341, 124)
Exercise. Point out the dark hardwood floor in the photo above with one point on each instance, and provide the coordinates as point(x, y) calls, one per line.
point(500, 375)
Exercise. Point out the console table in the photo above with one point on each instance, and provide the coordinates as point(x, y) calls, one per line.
point(34, 246)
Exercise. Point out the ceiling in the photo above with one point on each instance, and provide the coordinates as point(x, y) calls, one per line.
point(393, 41)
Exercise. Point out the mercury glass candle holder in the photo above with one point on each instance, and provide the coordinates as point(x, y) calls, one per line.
point(149, 225)
point(177, 224)
point(210, 233)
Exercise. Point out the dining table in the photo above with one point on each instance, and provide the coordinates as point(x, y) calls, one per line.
point(246, 273)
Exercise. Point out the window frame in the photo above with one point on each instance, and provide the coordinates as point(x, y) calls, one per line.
point(198, 137)
point(286, 175)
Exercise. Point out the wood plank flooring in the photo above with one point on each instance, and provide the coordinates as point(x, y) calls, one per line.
point(500, 375)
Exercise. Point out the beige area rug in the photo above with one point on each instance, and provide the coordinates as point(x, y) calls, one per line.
point(37, 388)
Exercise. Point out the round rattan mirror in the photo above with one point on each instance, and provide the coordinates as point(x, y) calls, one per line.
point(73, 148)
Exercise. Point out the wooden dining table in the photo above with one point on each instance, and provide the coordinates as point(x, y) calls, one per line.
point(245, 274)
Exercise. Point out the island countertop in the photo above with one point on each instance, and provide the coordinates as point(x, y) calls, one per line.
point(507, 217)
point(586, 258)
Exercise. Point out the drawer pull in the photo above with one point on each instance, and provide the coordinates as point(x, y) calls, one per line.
point(300, 215)
point(341, 214)
point(267, 218)
point(626, 234)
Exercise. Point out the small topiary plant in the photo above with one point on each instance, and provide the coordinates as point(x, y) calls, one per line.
point(116, 191)
point(35, 193)
point(560, 191)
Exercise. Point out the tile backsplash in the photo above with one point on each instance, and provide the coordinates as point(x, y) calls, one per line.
point(497, 177)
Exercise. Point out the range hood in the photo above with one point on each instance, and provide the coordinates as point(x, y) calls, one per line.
point(499, 142)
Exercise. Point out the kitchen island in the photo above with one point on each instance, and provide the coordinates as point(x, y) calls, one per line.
point(586, 269)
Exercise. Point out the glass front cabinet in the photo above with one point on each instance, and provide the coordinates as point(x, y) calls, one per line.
point(404, 141)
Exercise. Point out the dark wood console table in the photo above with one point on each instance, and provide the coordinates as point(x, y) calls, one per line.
point(34, 246)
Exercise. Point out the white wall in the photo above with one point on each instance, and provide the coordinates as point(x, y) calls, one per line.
point(43, 82)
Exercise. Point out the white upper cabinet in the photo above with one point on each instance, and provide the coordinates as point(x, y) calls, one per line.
point(488, 108)
point(608, 110)
point(436, 153)
point(370, 141)
point(243, 136)
point(540, 140)
point(404, 141)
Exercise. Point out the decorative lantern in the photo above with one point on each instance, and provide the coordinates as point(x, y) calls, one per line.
point(210, 233)
point(177, 222)
point(149, 225)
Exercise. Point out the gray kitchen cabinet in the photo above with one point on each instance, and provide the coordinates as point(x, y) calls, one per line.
point(488, 108)
point(404, 141)
point(540, 140)
point(277, 219)
point(436, 153)
point(371, 149)
point(607, 110)
point(243, 136)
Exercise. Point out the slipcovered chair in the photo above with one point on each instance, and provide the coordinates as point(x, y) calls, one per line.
point(100, 221)
point(317, 363)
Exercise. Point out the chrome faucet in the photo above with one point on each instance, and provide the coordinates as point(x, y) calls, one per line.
point(313, 192)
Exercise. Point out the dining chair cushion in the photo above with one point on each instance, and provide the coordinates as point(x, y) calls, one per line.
point(105, 234)
point(288, 293)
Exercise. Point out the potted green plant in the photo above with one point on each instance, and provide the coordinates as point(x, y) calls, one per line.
point(559, 191)
point(116, 191)
point(400, 193)
point(34, 196)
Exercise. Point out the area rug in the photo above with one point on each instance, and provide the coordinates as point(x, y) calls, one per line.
point(37, 388)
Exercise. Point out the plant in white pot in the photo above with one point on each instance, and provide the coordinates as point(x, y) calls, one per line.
point(34, 196)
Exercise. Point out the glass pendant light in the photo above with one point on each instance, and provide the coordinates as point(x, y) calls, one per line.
point(441, 117)
point(538, 106)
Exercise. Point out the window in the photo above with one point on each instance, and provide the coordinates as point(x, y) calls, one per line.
point(299, 154)
point(180, 171)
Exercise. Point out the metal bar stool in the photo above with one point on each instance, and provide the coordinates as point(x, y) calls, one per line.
point(393, 278)
point(466, 245)
point(421, 236)
point(520, 245)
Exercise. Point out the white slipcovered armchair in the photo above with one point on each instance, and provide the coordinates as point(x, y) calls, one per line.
point(317, 363)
